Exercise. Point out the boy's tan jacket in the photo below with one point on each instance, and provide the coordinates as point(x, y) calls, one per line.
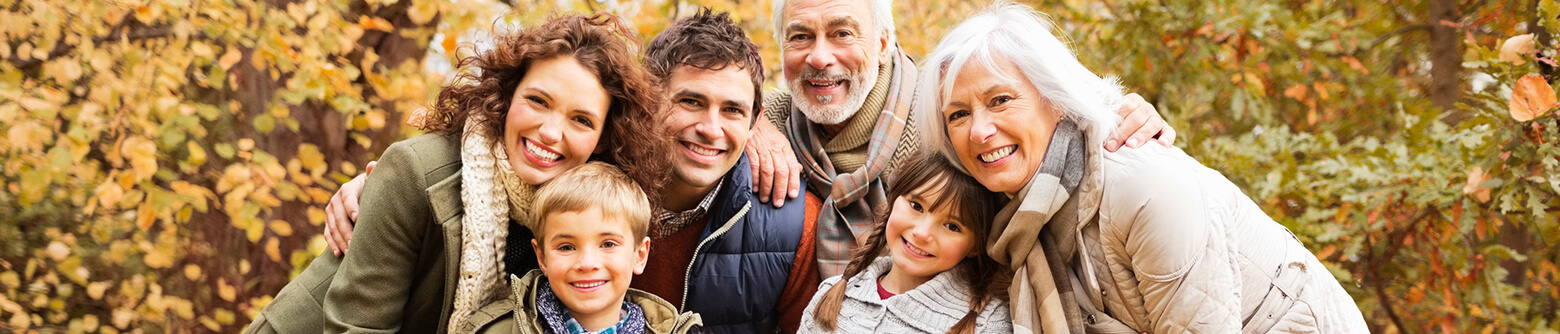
point(517, 314)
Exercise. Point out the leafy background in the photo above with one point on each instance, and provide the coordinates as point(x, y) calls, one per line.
point(166, 162)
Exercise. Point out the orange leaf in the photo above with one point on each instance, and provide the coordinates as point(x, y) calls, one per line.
point(273, 250)
point(1531, 97)
point(1477, 176)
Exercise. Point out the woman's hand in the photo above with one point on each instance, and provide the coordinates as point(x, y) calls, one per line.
point(342, 211)
point(1139, 124)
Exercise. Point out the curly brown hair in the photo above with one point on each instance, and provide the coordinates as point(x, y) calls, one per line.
point(632, 136)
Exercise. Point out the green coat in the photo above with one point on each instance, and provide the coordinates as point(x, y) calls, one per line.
point(517, 313)
point(400, 274)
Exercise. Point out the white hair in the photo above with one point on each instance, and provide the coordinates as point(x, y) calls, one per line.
point(1022, 36)
point(882, 19)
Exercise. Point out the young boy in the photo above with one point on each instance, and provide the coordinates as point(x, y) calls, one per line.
point(590, 225)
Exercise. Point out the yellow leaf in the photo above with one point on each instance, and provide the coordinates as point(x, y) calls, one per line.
point(122, 318)
point(158, 258)
point(142, 154)
point(192, 272)
point(57, 251)
point(109, 194)
point(10, 280)
point(1516, 49)
point(231, 57)
point(316, 216)
point(422, 11)
point(224, 316)
point(1531, 97)
point(273, 250)
point(89, 322)
point(210, 323)
point(225, 291)
point(201, 50)
point(311, 158)
point(281, 228)
point(96, 290)
point(246, 144)
point(19, 321)
point(197, 154)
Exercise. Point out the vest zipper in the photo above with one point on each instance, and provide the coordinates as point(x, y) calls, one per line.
point(689, 274)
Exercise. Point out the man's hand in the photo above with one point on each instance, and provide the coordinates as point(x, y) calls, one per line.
point(775, 169)
point(342, 211)
point(1140, 123)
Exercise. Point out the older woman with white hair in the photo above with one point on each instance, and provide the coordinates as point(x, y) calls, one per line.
point(1138, 240)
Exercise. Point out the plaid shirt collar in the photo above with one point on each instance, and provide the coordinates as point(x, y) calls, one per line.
point(574, 326)
point(668, 222)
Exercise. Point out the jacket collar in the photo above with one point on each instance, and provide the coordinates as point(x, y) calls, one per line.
point(735, 193)
point(660, 316)
point(448, 212)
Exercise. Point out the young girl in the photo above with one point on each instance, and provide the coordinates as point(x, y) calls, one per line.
point(924, 268)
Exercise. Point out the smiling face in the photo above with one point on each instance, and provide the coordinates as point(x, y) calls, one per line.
point(555, 119)
point(925, 240)
point(1000, 126)
point(590, 259)
point(712, 117)
point(830, 56)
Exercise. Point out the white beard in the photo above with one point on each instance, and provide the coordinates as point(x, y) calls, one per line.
point(817, 109)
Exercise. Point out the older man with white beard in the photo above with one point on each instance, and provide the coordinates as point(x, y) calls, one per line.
point(850, 93)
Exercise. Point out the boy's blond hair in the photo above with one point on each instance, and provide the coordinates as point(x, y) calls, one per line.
point(594, 184)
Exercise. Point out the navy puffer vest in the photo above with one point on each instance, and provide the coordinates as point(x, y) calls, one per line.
point(743, 258)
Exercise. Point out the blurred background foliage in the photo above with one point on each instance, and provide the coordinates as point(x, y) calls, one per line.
point(166, 162)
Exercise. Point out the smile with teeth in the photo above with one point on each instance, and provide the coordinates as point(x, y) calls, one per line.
point(540, 152)
point(701, 150)
point(825, 84)
point(997, 154)
point(588, 284)
point(913, 249)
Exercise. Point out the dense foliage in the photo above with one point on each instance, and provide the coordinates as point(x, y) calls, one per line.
point(165, 163)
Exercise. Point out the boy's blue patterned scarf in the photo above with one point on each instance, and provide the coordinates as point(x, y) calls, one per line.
point(558, 321)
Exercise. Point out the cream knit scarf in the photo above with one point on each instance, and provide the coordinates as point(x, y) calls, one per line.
point(491, 195)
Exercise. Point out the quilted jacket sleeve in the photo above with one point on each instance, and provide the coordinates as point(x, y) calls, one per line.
point(1155, 212)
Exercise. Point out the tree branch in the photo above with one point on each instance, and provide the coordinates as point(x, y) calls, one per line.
point(63, 49)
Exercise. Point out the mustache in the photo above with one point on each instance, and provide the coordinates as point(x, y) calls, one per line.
point(809, 73)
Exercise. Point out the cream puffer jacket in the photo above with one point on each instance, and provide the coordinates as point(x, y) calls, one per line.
point(1171, 246)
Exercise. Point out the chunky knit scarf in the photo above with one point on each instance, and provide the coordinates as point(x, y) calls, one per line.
point(847, 210)
point(491, 194)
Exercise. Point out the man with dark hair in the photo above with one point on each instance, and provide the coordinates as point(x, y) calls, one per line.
point(744, 266)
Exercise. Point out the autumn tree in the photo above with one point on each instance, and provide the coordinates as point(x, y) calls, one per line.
point(165, 163)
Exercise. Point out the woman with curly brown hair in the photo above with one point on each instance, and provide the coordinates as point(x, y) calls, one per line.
point(439, 230)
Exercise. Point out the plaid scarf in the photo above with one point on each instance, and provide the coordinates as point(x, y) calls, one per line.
point(847, 210)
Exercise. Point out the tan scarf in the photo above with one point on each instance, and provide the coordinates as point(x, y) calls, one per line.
point(847, 210)
point(1037, 233)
